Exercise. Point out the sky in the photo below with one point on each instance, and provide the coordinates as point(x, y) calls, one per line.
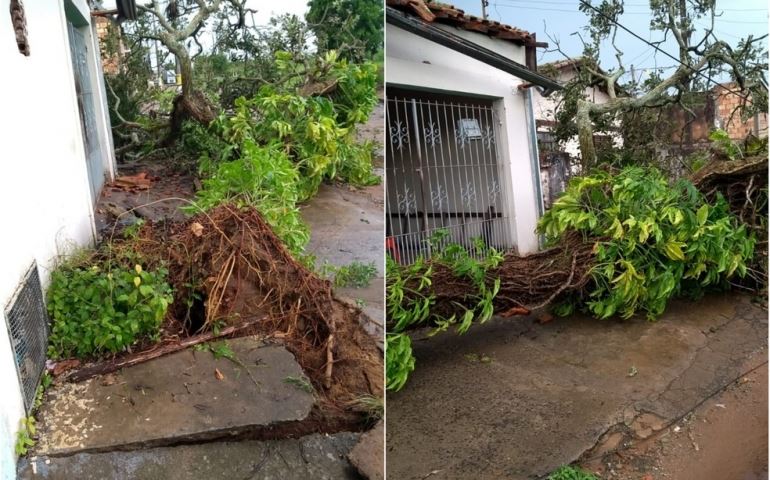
point(265, 9)
point(561, 18)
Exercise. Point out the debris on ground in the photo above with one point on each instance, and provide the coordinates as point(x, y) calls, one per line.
point(140, 181)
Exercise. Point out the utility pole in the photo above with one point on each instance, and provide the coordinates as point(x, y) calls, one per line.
point(484, 5)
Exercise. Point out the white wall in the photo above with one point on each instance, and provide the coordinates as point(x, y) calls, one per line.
point(45, 203)
point(414, 62)
point(545, 109)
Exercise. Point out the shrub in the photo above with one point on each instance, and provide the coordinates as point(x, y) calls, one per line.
point(652, 240)
point(96, 310)
point(265, 178)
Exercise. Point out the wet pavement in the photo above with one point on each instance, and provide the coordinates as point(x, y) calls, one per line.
point(347, 225)
point(321, 457)
point(550, 392)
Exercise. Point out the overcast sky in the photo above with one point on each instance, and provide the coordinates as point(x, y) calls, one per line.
point(562, 18)
point(265, 9)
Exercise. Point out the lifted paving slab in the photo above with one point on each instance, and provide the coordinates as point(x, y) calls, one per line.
point(179, 397)
point(315, 456)
point(515, 399)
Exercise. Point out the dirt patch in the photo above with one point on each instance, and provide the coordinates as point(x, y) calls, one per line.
point(724, 438)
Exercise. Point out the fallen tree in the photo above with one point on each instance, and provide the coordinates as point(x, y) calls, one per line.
point(621, 243)
point(232, 276)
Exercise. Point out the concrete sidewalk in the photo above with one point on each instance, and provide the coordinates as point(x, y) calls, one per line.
point(316, 456)
point(515, 399)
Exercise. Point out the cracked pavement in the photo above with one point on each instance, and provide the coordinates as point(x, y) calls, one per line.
point(551, 392)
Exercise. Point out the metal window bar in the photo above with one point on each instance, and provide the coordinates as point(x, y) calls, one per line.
point(27, 323)
point(443, 172)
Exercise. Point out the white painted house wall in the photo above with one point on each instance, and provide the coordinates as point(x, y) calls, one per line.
point(545, 109)
point(46, 207)
point(417, 63)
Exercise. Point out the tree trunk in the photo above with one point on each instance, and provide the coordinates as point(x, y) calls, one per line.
point(185, 64)
point(190, 104)
point(585, 136)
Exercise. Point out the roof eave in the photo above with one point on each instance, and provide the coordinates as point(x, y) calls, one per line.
point(466, 47)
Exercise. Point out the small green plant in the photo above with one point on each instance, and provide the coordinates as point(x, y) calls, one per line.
point(569, 472)
point(25, 437)
point(45, 382)
point(373, 407)
point(354, 274)
point(409, 304)
point(218, 349)
point(723, 143)
point(300, 382)
point(104, 308)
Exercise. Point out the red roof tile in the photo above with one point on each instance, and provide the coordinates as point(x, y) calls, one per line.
point(434, 12)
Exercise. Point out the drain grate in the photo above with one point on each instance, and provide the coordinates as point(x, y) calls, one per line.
point(27, 323)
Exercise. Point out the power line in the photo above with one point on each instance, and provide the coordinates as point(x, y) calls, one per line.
point(630, 4)
point(660, 50)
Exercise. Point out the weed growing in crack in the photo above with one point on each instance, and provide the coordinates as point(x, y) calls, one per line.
point(373, 407)
point(25, 436)
point(355, 274)
point(568, 472)
point(300, 382)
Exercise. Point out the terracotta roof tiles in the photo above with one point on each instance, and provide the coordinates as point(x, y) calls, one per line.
point(435, 12)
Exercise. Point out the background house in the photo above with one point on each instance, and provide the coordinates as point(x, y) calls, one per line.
point(558, 160)
point(462, 152)
point(57, 152)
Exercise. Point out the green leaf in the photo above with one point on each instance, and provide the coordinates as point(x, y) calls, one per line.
point(702, 215)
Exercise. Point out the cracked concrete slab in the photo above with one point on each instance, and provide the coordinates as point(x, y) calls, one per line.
point(550, 391)
point(188, 395)
point(316, 456)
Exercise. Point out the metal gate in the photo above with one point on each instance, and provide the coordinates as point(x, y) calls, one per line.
point(85, 95)
point(443, 172)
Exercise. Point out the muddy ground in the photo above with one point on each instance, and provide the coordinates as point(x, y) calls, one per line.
point(724, 438)
point(515, 398)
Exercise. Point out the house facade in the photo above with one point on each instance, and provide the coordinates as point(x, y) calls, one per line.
point(57, 151)
point(462, 150)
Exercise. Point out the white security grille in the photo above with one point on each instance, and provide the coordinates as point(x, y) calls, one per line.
point(442, 172)
point(27, 323)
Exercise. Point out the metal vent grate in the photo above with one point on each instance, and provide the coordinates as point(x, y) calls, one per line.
point(27, 323)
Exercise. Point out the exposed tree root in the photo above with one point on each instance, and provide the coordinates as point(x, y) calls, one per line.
point(526, 283)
